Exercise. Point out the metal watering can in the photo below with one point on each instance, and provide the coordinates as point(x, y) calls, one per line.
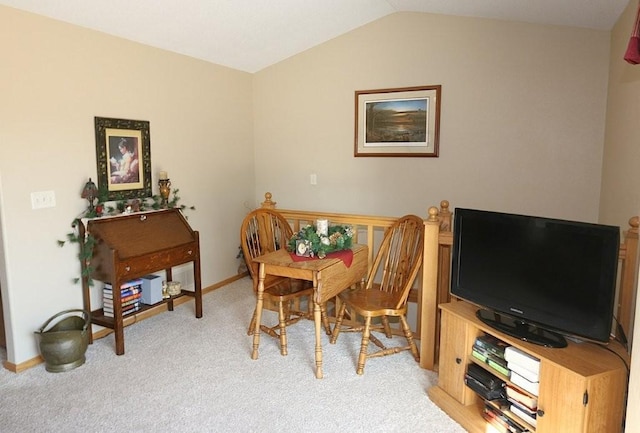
point(64, 344)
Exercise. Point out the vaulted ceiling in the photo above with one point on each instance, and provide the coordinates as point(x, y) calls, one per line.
point(250, 35)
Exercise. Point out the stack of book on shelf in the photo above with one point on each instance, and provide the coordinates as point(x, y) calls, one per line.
point(525, 373)
point(484, 383)
point(491, 350)
point(522, 405)
point(130, 294)
point(500, 422)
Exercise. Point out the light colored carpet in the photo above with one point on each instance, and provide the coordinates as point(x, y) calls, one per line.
point(182, 374)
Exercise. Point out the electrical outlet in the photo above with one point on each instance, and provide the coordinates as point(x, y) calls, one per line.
point(43, 199)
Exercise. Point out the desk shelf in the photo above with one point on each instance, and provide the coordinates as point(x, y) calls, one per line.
point(98, 317)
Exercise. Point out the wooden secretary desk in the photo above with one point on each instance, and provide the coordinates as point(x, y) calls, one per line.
point(131, 246)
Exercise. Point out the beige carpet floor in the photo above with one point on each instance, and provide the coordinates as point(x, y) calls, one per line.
point(182, 374)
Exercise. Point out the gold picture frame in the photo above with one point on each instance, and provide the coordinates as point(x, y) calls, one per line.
point(123, 158)
point(399, 122)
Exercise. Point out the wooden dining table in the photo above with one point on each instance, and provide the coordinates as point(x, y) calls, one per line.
point(329, 275)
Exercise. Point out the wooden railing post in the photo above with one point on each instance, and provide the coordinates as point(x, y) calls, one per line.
point(428, 297)
point(445, 254)
point(628, 274)
point(445, 216)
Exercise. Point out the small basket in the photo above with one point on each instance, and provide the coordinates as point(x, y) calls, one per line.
point(64, 344)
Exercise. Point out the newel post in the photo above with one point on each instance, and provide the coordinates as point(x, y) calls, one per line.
point(267, 203)
point(627, 295)
point(429, 292)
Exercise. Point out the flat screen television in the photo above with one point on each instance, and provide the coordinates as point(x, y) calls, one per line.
point(538, 279)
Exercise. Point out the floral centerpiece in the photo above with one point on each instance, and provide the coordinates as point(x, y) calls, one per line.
point(308, 241)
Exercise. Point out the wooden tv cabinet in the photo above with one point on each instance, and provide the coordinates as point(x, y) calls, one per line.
point(582, 387)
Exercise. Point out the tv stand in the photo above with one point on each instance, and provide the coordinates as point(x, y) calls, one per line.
point(581, 387)
point(520, 329)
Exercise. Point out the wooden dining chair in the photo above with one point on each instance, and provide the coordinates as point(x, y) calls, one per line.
point(385, 291)
point(264, 231)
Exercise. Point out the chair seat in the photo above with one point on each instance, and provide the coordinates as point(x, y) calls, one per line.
point(289, 290)
point(372, 303)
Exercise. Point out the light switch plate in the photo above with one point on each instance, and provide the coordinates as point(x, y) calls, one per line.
point(43, 199)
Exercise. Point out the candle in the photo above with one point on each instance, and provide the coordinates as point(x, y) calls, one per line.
point(163, 175)
point(322, 227)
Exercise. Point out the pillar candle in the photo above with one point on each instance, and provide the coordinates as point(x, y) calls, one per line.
point(163, 175)
point(322, 227)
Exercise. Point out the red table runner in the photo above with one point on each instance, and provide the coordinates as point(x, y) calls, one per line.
point(345, 255)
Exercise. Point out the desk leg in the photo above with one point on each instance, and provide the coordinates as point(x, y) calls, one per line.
point(260, 296)
point(169, 275)
point(317, 319)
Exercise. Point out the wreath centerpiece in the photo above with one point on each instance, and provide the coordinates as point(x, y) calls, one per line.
point(310, 242)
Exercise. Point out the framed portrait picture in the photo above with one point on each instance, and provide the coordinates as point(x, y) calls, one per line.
point(123, 157)
point(398, 122)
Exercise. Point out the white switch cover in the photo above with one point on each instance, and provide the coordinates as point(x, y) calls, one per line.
point(43, 199)
point(313, 179)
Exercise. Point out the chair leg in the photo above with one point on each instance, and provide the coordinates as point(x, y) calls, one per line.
point(336, 327)
point(282, 322)
point(387, 328)
point(256, 332)
point(362, 358)
point(252, 324)
point(409, 336)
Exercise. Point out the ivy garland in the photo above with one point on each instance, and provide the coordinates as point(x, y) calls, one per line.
point(339, 237)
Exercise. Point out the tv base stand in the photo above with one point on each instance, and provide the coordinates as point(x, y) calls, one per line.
point(581, 388)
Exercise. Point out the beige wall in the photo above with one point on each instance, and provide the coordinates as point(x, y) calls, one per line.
point(620, 194)
point(523, 113)
point(523, 109)
point(54, 78)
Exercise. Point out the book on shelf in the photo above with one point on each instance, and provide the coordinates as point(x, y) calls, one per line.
point(527, 385)
point(125, 294)
point(124, 303)
point(493, 361)
point(126, 285)
point(498, 366)
point(492, 345)
point(525, 415)
point(522, 408)
point(502, 422)
point(483, 383)
point(531, 376)
point(522, 359)
point(108, 293)
point(523, 399)
point(130, 294)
point(477, 354)
point(124, 307)
point(108, 312)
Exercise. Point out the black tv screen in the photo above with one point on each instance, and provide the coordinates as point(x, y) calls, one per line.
point(532, 274)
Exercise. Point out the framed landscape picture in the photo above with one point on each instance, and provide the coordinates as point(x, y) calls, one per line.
point(398, 122)
point(123, 157)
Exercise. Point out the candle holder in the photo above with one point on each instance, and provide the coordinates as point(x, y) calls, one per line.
point(165, 190)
